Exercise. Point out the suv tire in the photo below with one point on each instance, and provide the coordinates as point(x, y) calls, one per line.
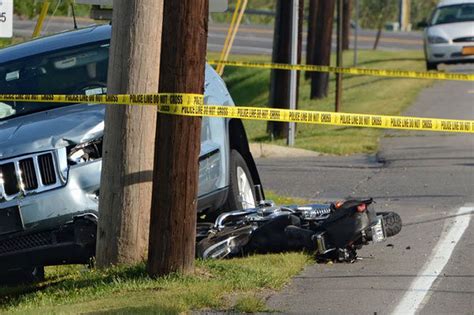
point(23, 276)
point(241, 187)
point(431, 66)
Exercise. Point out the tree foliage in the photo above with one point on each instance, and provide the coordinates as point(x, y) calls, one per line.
point(371, 11)
point(421, 10)
point(31, 8)
point(375, 13)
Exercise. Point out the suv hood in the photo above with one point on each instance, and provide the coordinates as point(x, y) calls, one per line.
point(452, 30)
point(52, 129)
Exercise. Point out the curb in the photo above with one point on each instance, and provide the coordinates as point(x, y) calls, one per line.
point(263, 150)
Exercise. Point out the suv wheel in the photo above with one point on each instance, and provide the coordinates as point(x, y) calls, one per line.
point(23, 276)
point(242, 191)
point(431, 66)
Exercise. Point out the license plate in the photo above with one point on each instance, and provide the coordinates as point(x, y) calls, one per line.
point(378, 231)
point(466, 51)
point(10, 220)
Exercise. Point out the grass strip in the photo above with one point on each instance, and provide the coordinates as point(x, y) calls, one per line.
point(233, 284)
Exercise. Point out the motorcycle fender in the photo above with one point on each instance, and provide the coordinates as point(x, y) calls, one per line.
point(347, 229)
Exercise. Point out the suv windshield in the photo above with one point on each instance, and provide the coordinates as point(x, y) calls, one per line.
point(72, 71)
point(453, 14)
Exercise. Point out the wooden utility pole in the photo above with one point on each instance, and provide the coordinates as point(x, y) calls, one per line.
point(280, 79)
point(346, 24)
point(175, 180)
point(356, 33)
point(340, 9)
point(301, 20)
point(405, 15)
point(126, 185)
point(322, 47)
point(311, 38)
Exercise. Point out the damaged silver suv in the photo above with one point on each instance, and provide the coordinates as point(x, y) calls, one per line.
point(50, 154)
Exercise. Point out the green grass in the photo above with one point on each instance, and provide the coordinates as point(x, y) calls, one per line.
point(250, 304)
point(217, 285)
point(239, 284)
point(282, 200)
point(5, 42)
point(361, 94)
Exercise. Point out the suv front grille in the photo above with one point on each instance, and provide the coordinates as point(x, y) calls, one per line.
point(9, 178)
point(28, 174)
point(48, 174)
point(464, 39)
point(34, 173)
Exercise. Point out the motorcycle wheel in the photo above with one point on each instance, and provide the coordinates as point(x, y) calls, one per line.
point(202, 230)
point(392, 222)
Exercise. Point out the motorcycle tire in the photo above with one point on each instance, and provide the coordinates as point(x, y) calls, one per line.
point(202, 230)
point(392, 223)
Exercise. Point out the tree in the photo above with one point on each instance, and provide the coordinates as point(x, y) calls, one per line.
point(175, 180)
point(126, 185)
point(382, 11)
point(322, 47)
point(311, 38)
point(370, 11)
point(346, 24)
point(421, 10)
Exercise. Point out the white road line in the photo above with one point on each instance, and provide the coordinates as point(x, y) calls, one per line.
point(410, 303)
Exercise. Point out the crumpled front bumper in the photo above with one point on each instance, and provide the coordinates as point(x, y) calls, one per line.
point(71, 243)
point(58, 226)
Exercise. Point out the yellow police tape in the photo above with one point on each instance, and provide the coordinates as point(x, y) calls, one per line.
point(193, 105)
point(356, 71)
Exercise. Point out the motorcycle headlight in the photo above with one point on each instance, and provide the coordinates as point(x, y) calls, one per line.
point(85, 152)
point(437, 40)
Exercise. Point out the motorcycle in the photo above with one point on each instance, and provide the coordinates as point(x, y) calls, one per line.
point(333, 231)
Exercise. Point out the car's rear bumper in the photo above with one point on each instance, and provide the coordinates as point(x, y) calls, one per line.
point(72, 243)
point(448, 53)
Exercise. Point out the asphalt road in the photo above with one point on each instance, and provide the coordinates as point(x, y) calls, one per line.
point(428, 178)
point(251, 39)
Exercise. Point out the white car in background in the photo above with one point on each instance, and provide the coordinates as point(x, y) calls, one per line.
point(449, 34)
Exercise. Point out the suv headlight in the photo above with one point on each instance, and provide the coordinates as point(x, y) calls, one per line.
point(85, 152)
point(437, 40)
